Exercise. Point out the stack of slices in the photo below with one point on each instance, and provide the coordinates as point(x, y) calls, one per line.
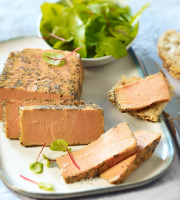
point(169, 52)
point(143, 98)
point(41, 102)
point(114, 156)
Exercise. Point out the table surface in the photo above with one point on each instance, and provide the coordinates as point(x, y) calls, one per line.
point(18, 18)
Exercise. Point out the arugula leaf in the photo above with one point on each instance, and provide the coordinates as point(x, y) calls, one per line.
point(83, 12)
point(135, 18)
point(95, 29)
point(53, 58)
point(46, 186)
point(111, 45)
point(61, 32)
point(79, 40)
point(63, 45)
point(36, 167)
point(59, 145)
point(135, 30)
point(46, 158)
point(122, 33)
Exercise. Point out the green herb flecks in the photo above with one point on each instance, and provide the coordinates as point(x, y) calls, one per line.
point(62, 145)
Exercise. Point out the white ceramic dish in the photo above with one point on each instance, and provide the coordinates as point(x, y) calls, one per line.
point(87, 62)
point(15, 159)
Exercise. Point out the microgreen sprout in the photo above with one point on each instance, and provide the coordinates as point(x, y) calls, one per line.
point(56, 58)
point(36, 166)
point(62, 145)
point(41, 185)
point(49, 161)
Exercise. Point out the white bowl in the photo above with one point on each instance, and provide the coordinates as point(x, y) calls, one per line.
point(87, 62)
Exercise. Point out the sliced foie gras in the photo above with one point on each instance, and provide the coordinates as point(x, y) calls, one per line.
point(142, 93)
point(119, 172)
point(146, 144)
point(27, 76)
point(150, 113)
point(11, 115)
point(75, 124)
point(112, 147)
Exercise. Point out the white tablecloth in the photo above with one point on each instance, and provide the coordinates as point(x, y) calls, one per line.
point(19, 18)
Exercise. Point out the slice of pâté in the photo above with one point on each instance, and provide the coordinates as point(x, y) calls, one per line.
point(11, 115)
point(142, 93)
point(76, 125)
point(146, 145)
point(115, 145)
point(151, 113)
point(27, 76)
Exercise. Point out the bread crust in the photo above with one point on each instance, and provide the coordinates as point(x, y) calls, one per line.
point(151, 113)
point(169, 52)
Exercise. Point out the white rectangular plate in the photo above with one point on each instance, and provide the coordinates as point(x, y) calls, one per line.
point(15, 159)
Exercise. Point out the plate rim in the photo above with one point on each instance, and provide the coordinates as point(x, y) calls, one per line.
point(90, 192)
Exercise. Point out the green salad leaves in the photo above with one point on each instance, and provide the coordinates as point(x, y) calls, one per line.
point(99, 27)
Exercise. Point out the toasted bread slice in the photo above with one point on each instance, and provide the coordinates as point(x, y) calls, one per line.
point(169, 52)
point(151, 113)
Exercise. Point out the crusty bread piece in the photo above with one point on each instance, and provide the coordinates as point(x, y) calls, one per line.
point(151, 113)
point(169, 52)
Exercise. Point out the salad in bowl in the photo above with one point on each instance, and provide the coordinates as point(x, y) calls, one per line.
point(104, 29)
